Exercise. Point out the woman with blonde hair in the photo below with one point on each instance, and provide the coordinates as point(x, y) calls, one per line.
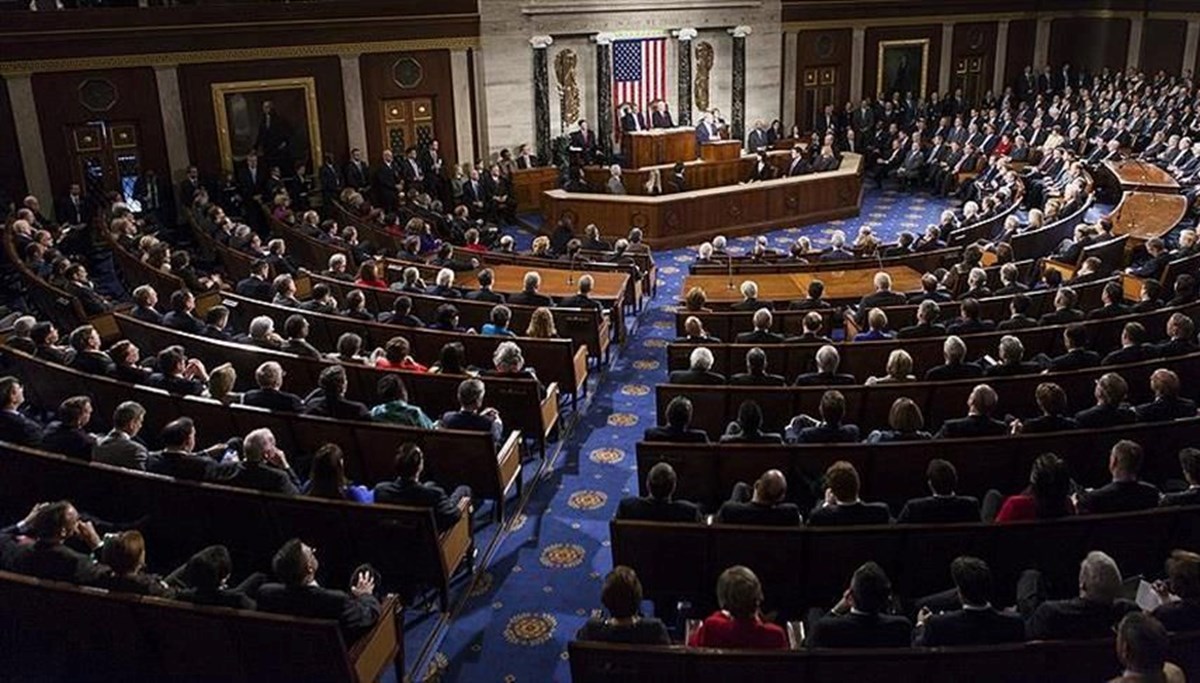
point(905, 423)
point(541, 247)
point(899, 369)
point(695, 300)
point(653, 186)
point(221, 382)
point(541, 324)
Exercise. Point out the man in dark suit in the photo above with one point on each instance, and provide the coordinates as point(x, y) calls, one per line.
point(882, 296)
point(121, 447)
point(761, 334)
point(331, 181)
point(582, 298)
point(15, 427)
point(749, 302)
point(298, 594)
point(1133, 346)
point(678, 429)
point(954, 352)
point(1018, 308)
point(251, 178)
point(264, 467)
point(583, 139)
point(179, 459)
point(1152, 268)
point(1189, 463)
point(330, 398)
point(661, 116)
point(471, 416)
point(190, 185)
point(1181, 611)
point(699, 370)
point(1181, 333)
point(944, 506)
point(68, 434)
point(978, 421)
point(1167, 404)
point(1110, 409)
point(813, 301)
point(804, 429)
point(1011, 354)
point(49, 557)
point(842, 505)
point(633, 120)
point(388, 182)
point(256, 285)
point(1091, 615)
point(757, 139)
point(756, 372)
point(82, 288)
point(1125, 493)
point(660, 505)
point(927, 325)
point(269, 377)
point(72, 209)
point(408, 489)
point(858, 619)
point(358, 174)
point(977, 622)
point(529, 295)
point(798, 164)
point(677, 182)
point(763, 505)
point(827, 360)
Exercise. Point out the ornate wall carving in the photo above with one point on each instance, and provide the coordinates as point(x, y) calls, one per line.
point(704, 65)
point(565, 64)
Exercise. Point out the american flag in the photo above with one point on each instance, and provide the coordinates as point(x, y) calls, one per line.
point(639, 72)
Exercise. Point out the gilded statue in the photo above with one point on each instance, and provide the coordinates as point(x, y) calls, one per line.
point(568, 87)
point(704, 65)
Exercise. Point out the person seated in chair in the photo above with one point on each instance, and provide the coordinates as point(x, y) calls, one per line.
point(329, 400)
point(1125, 493)
point(860, 619)
point(748, 427)
point(877, 323)
point(1090, 615)
point(1018, 319)
point(1167, 404)
point(52, 525)
point(970, 320)
point(68, 434)
point(762, 333)
point(1110, 409)
point(583, 297)
point(269, 394)
point(813, 301)
point(678, 429)
point(695, 333)
point(1180, 610)
point(954, 352)
point(298, 593)
point(750, 302)
point(804, 429)
point(977, 622)
point(471, 415)
point(756, 372)
point(699, 370)
point(979, 421)
point(811, 325)
point(842, 505)
point(1011, 353)
point(1133, 346)
point(927, 325)
point(264, 466)
point(762, 505)
point(622, 597)
point(739, 622)
point(88, 358)
point(1181, 331)
point(660, 505)
point(943, 505)
point(408, 489)
point(1052, 402)
point(827, 361)
point(1078, 355)
point(144, 301)
point(529, 295)
point(1113, 298)
point(1064, 309)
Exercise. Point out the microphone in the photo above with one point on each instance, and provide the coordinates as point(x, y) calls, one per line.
point(571, 273)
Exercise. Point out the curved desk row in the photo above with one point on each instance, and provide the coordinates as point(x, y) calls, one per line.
point(686, 218)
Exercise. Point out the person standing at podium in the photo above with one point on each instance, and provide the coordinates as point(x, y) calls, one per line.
point(706, 130)
point(632, 120)
point(661, 117)
point(583, 141)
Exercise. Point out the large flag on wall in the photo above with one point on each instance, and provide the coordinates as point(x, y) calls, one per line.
point(639, 73)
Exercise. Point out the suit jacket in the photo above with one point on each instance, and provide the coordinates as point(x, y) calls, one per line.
point(820, 379)
point(695, 377)
point(188, 466)
point(940, 510)
point(861, 631)
point(1076, 619)
point(649, 509)
point(18, 429)
point(336, 408)
point(672, 435)
point(1190, 496)
point(759, 337)
point(970, 627)
point(72, 442)
point(485, 295)
point(530, 299)
point(1017, 322)
point(471, 422)
point(1105, 416)
point(355, 614)
point(853, 514)
point(971, 426)
point(1119, 496)
point(944, 373)
point(1048, 423)
point(184, 322)
point(254, 288)
point(585, 140)
point(922, 330)
point(263, 477)
point(116, 448)
point(580, 301)
point(93, 363)
point(747, 379)
point(420, 494)
point(57, 562)
point(1164, 410)
point(633, 122)
point(358, 175)
point(783, 514)
point(661, 119)
point(825, 433)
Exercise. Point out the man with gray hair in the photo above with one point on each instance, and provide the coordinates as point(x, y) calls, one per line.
point(761, 334)
point(749, 302)
point(120, 446)
point(269, 395)
point(882, 296)
point(264, 467)
point(699, 370)
point(262, 334)
point(954, 351)
point(21, 330)
point(927, 324)
point(582, 299)
point(1012, 353)
point(530, 296)
point(827, 361)
point(1090, 615)
point(443, 285)
point(471, 415)
point(614, 185)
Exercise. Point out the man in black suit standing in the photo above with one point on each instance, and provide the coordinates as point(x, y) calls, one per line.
point(661, 117)
point(858, 619)
point(72, 209)
point(757, 139)
point(659, 506)
point(699, 370)
point(977, 623)
point(331, 181)
point(763, 505)
point(583, 140)
point(358, 174)
point(190, 185)
point(944, 506)
point(14, 426)
point(388, 182)
point(251, 178)
point(475, 195)
point(299, 594)
point(842, 505)
point(678, 429)
point(408, 489)
point(1125, 493)
point(978, 421)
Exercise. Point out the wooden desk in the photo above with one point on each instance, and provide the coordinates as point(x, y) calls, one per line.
point(840, 285)
point(608, 286)
point(700, 174)
point(686, 218)
point(721, 150)
point(1132, 174)
point(658, 146)
point(529, 184)
point(1143, 215)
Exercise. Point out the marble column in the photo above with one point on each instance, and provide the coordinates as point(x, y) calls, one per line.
point(683, 110)
point(166, 77)
point(460, 81)
point(791, 46)
point(1133, 54)
point(1001, 58)
point(604, 103)
point(738, 94)
point(858, 49)
point(356, 121)
point(946, 67)
point(1190, 46)
point(541, 96)
point(1041, 44)
point(29, 138)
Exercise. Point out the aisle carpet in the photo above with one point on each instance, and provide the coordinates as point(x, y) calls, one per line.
point(545, 578)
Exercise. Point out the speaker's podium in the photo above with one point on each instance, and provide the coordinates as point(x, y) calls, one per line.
point(658, 146)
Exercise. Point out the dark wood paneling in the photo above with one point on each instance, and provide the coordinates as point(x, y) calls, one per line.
point(378, 85)
point(195, 89)
point(57, 97)
point(823, 10)
point(1162, 45)
point(1088, 41)
point(826, 50)
point(1021, 35)
point(12, 173)
point(875, 36)
point(974, 44)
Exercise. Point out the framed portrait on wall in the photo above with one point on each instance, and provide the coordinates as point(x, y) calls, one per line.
point(903, 65)
point(277, 119)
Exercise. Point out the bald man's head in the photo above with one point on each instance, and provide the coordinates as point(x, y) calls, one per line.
point(770, 488)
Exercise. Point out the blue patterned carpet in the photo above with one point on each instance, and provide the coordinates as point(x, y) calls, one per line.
point(545, 576)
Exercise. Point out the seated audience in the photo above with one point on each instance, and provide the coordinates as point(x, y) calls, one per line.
point(678, 428)
point(660, 505)
point(1052, 402)
point(842, 505)
point(699, 370)
point(408, 489)
point(977, 622)
point(471, 415)
point(1167, 404)
point(899, 369)
point(298, 593)
point(269, 394)
point(756, 372)
point(1110, 409)
point(1189, 463)
point(1092, 614)
point(860, 618)
point(329, 399)
point(50, 556)
point(1180, 593)
point(829, 429)
point(393, 406)
point(954, 351)
point(125, 554)
point(541, 324)
point(748, 427)
point(827, 360)
point(1142, 648)
point(1125, 493)
point(926, 325)
point(979, 421)
point(944, 506)
point(622, 597)
point(877, 322)
point(1048, 495)
point(905, 423)
point(179, 458)
point(761, 334)
point(121, 446)
point(739, 622)
point(327, 478)
point(68, 434)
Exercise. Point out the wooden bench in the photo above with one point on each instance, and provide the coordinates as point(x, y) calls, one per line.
point(435, 393)
point(895, 472)
point(57, 631)
point(1084, 661)
point(868, 406)
point(452, 457)
point(805, 567)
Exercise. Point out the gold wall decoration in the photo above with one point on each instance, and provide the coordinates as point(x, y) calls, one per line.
point(903, 66)
point(237, 109)
point(704, 65)
point(568, 87)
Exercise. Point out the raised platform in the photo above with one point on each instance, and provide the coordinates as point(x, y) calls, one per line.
point(686, 218)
